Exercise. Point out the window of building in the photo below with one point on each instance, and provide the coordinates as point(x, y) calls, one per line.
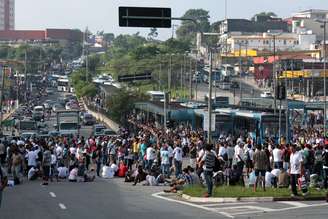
point(285, 42)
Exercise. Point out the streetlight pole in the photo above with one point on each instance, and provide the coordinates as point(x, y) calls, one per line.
point(210, 81)
point(324, 22)
point(196, 77)
point(274, 75)
point(190, 79)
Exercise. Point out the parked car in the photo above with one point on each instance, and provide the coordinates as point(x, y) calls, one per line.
point(266, 94)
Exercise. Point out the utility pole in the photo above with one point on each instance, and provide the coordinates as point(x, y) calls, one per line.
point(2, 70)
point(324, 79)
point(240, 71)
point(274, 75)
point(190, 79)
point(169, 74)
point(210, 84)
point(25, 73)
point(287, 108)
point(181, 78)
point(196, 77)
point(159, 76)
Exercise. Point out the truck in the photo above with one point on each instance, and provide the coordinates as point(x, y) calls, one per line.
point(27, 126)
point(68, 122)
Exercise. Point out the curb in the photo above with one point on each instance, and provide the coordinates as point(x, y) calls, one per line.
point(248, 199)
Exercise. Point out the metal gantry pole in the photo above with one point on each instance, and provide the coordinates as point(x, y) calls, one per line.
point(210, 84)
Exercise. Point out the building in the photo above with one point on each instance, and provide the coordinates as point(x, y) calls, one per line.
point(265, 42)
point(307, 22)
point(312, 14)
point(42, 35)
point(259, 25)
point(7, 14)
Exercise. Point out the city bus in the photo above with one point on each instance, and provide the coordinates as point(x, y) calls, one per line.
point(259, 125)
point(63, 85)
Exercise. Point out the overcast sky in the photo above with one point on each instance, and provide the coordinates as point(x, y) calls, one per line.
point(103, 14)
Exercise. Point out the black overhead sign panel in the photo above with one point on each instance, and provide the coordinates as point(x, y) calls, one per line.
point(135, 77)
point(144, 17)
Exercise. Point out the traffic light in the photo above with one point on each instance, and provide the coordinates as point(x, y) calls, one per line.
point(281, 92)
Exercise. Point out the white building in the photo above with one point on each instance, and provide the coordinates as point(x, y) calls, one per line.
point(312, 14)
point(306, 22)
point(265, 42)
point(7, 14)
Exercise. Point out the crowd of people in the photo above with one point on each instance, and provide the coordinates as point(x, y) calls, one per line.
point(177, 157)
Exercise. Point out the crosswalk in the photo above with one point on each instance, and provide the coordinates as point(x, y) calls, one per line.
point(236, 209)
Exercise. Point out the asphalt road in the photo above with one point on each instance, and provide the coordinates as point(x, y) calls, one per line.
point(115, 199)
point(245, 91)
point(99, 199)
point(84, 130)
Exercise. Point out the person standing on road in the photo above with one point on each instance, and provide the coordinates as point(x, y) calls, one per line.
point(325, 166)
point(2, 153)
point(177, 152)
point(260, 165)
point(208, 163)
point(296, 168)
point(46, 163)
point(3, 182)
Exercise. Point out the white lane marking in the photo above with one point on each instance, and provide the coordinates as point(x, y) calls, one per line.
point(231, 203)
point(296, 204)
point(62, 206)
point(158, 195)
point(52, 194)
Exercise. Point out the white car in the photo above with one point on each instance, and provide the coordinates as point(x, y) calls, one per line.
point(266, 94)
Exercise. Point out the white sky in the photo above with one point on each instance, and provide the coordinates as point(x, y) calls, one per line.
point(103, 14)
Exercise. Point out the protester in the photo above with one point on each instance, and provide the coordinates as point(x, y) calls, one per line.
point(296, 168)
point(208, 161)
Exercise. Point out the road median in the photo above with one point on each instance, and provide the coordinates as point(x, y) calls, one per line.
point(230, 194)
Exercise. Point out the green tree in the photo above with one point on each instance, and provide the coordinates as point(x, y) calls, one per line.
point(109, 37)
point(188, 29)
point(272, 14)
point(120, 104)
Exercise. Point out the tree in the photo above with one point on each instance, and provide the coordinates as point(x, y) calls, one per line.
point(152, 34)
point(188, 29)
point(120, 104)
point(109, 37)
point(271, 14)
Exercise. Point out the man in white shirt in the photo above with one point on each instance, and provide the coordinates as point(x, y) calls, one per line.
point(177, 152)
point(239, 154)
point(296, 168)
point(32, 156)
point(62, 172)
point(150, 156)
point(277, 157)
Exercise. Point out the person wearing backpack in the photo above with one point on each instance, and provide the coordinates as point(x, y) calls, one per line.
point(325, 166)
point(208, 162)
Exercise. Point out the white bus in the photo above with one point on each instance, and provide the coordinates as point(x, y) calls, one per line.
point(63, 85)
